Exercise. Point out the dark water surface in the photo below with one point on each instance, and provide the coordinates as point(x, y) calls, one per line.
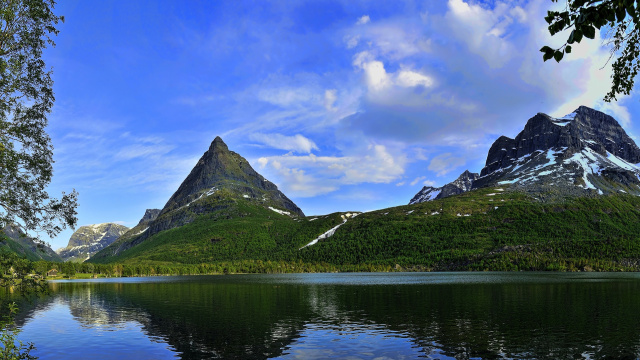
point(341, 316)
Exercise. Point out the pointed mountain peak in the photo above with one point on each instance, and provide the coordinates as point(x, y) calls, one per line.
point(217, 143)
point(222, 169)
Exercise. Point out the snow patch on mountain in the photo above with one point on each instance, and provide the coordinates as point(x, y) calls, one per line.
point(281, 212)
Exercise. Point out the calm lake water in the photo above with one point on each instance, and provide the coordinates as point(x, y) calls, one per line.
point(340, 316)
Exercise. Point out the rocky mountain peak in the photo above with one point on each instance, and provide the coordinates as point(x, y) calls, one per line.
point(149, 215)
point(220, 168)
point(218, 182)
point(584, 152)
point(89, 239)
point(463, 183)
point(218, 145)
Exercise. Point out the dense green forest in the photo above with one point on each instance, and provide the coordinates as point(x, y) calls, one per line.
point(486, 229)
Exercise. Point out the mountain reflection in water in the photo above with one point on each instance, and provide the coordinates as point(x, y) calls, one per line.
point(358, 316)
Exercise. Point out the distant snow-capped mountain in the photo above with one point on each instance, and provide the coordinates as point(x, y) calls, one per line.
point(458, 186)
point(584, 153)
point(89, 239)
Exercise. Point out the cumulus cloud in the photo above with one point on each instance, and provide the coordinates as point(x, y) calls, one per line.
point(480, 76)
point(408, 78)
point(376, 165)
point(297, 143)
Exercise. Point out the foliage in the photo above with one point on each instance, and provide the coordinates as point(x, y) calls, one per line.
point(584, 17)
point(481, 230)
point(16, 274)
point(10, 347)
point(26, 99)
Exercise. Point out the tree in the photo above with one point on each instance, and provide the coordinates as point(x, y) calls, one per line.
point(619, 17)
point(26, 99)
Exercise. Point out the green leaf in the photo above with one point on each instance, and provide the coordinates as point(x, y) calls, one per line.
point(632, 11)
point(571, 37)
point(558, 55)
point(577, 36)
point(589, 31)
point(620, 13)
point(567, 49)
point(547, 56)
point(546, 49)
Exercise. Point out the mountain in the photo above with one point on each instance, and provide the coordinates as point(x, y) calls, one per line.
point(89, 239)
point(143, 225)
point(23, 245)
point(458, 186)
point(585, 153)
point(220, 186)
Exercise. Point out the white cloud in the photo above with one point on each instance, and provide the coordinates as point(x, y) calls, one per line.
point(445, 163)
point(297, 143)
point(352, 41)
point(482, 30)
point(329, 173)
point(417, 180)
point(400, 183)
point(330, 98)
point(408, 78)
point(376, 76)
point(363, 20)
point(429, 183)
point(378, 80)
point(141, 151)
point(285, 96)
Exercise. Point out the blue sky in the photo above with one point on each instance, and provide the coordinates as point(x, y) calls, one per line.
point(345, 105)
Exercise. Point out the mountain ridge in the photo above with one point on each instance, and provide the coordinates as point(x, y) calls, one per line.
point(89, 239)
point(583, 153)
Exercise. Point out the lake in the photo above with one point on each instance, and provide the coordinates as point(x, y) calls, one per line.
point(339, 316)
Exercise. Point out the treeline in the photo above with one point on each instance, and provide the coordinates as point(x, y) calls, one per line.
point(73, 270)
point(480, 230)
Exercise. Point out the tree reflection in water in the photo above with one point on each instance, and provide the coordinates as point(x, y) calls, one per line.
point(259, 317)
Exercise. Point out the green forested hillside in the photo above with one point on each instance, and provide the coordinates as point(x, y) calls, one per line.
point(485, 229)
point(27, 248)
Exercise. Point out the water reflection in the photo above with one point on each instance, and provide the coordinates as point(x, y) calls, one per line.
point(392, 316)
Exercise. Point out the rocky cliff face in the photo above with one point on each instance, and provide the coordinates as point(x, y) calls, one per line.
point(143, 225)
point(149, 215)
point(220, 180)
point(585, 152)
point(462, 184)
point(581, 154)
point(88, 240)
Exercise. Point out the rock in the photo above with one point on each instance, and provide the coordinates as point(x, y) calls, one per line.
point(90, 239)
point(462, 184)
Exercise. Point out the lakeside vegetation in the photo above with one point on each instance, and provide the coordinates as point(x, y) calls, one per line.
point(486, 229)
point(483, 230)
